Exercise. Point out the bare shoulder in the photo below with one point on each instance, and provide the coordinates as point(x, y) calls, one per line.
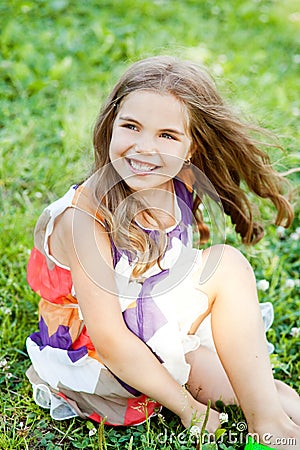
point(76, 232)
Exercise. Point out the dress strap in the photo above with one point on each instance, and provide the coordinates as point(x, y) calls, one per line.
point(45, 225)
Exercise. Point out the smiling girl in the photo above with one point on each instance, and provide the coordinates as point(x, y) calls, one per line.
point(132, 315)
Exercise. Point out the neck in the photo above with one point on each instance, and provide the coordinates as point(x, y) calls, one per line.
point(161, 206)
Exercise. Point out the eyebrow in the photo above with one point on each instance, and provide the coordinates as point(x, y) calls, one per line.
point(168, 130)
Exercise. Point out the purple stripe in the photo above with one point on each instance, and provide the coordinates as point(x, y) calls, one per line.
point(180, 232)
point(60, 339)
point(185, 201)
point(146, 318)
point(76, 355)
point(117, 254)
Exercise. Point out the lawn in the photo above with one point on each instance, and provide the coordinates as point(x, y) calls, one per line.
point(58, 60)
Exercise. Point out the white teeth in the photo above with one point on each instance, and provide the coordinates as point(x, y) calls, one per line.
point(142, 167)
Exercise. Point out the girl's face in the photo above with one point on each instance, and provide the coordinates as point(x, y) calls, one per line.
point(150, 140)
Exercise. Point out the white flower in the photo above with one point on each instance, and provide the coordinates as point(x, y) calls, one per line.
point(263, 285)
point(298, 231)
point(294, 17)
point(290, 283)
point(161, 417)
point(295, 332)
point(92, 432)
point(294, 236)
point(223, 417)
point(3, 363)
point(280, 231)
point(195, 431)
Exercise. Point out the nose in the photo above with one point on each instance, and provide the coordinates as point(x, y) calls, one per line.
point(145, 144)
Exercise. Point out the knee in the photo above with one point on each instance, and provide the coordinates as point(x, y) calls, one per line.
point(226, 274)
point(225, 258)
point(232, 255)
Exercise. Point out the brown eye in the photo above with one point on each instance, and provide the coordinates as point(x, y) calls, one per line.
point(130, 126)
point(167, 136)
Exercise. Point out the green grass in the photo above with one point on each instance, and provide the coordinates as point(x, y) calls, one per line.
point(58, 60)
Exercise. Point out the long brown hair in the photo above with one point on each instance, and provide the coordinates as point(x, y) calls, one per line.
point(222, 148)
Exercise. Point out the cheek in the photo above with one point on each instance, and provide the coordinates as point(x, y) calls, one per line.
point(176, 155)
point(119, 143)
point(173, 164)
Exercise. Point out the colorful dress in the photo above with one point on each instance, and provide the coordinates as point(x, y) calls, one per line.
point(67, 374)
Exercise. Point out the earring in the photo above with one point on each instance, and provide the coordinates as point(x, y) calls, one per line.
point(187, 162)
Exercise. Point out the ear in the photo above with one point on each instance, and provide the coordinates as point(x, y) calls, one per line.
point(191, 150)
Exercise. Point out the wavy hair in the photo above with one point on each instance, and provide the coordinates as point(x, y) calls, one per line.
point(222, 148)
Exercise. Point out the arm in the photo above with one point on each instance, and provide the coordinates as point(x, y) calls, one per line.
point(76, 241)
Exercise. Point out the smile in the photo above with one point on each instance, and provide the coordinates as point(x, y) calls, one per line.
point(141, 167)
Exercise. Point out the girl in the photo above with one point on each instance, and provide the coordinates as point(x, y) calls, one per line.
point(131, 315)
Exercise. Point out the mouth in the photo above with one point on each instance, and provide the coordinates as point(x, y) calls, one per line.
point(141, 167)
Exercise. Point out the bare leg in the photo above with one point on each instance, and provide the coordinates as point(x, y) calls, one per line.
point(241, 345)
point(290, 401)
point(208, 381)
